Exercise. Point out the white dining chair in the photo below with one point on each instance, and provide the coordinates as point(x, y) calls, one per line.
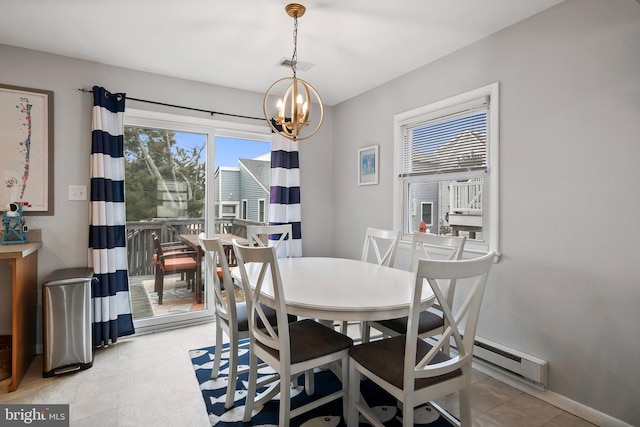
point(258, 235)
point(432, 322)
point(380, 247)
point(289, 348)
point(231, 316)
point(383, 244)
point(414, 371)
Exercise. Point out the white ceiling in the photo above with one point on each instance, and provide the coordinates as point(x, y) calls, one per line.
point(355, 45)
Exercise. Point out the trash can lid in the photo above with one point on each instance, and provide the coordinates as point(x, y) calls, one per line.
point(69, 275)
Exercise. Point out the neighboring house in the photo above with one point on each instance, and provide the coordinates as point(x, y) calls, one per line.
point(466, 148)
point(243, 191)
point(227, 187)
point(450, 206)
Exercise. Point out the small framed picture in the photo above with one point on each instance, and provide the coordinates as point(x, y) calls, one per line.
point(368, 165)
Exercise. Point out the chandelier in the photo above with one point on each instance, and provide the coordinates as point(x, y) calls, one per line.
point(291, 115)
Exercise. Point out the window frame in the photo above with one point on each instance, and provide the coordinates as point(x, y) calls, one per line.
point(222, 214)
point(262, 210)
point(430, 210)
point(401, 201)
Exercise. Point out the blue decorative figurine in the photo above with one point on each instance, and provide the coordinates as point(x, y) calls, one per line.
point(14, 225)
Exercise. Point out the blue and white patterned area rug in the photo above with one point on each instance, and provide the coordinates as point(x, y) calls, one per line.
point(329, 415)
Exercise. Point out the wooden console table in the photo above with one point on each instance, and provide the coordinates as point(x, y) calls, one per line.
point(23, 259)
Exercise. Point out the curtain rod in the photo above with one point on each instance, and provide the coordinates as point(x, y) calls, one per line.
point(183, 107)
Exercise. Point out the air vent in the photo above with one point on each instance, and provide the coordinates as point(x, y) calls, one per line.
point(302, 66)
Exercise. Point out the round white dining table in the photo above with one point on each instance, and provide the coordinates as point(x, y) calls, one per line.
point(341, 289)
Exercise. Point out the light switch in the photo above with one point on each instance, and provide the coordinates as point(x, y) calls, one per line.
point(77, 192)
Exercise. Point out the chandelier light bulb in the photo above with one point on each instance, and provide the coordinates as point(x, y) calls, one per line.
point(280, 107)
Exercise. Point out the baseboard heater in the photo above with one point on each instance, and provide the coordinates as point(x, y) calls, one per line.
point(512, 363)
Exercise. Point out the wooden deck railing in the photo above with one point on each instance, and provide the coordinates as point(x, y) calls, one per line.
point(140, 248)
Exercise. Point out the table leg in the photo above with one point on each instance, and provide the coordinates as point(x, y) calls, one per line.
point(198, 279)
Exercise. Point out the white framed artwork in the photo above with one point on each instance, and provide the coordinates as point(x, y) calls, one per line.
point(368, 168)
point(26, 138)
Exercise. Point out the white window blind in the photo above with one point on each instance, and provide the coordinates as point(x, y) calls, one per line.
point(449, 143)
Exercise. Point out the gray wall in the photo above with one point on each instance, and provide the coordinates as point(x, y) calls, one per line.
point(566, 289)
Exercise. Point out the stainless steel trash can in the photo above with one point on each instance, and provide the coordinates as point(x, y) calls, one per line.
point(66, 313)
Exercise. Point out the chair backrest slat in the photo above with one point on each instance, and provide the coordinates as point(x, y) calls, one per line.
point(431, 246)
point(463, 317)
point(377, 239)
point(259, 235)
point(223, 291)
point(259, 269)
point(425, 245)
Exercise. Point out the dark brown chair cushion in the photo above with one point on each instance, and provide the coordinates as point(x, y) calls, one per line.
point(428, 322)
point(309, 340)
point(243, 316)
point(385, 358)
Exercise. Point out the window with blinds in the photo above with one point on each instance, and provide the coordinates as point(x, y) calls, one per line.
point(453, 143)
point(447, 159)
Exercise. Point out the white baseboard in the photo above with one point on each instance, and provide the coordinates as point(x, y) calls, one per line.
point(559, 401)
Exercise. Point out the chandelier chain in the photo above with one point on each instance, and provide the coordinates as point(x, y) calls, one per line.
point(294, 57)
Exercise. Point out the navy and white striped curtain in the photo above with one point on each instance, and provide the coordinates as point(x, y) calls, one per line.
point(284, 204)
point(107, 235)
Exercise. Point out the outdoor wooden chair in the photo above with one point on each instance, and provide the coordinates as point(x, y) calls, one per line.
point(171, 258)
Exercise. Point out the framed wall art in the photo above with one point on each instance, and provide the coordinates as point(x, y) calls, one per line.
point(26, 142)
point(368, 165)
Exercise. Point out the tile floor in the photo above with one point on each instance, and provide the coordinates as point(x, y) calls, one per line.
point(148, 380)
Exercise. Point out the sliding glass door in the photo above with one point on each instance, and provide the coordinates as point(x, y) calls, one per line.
point(171, 196)
point(165, 199)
